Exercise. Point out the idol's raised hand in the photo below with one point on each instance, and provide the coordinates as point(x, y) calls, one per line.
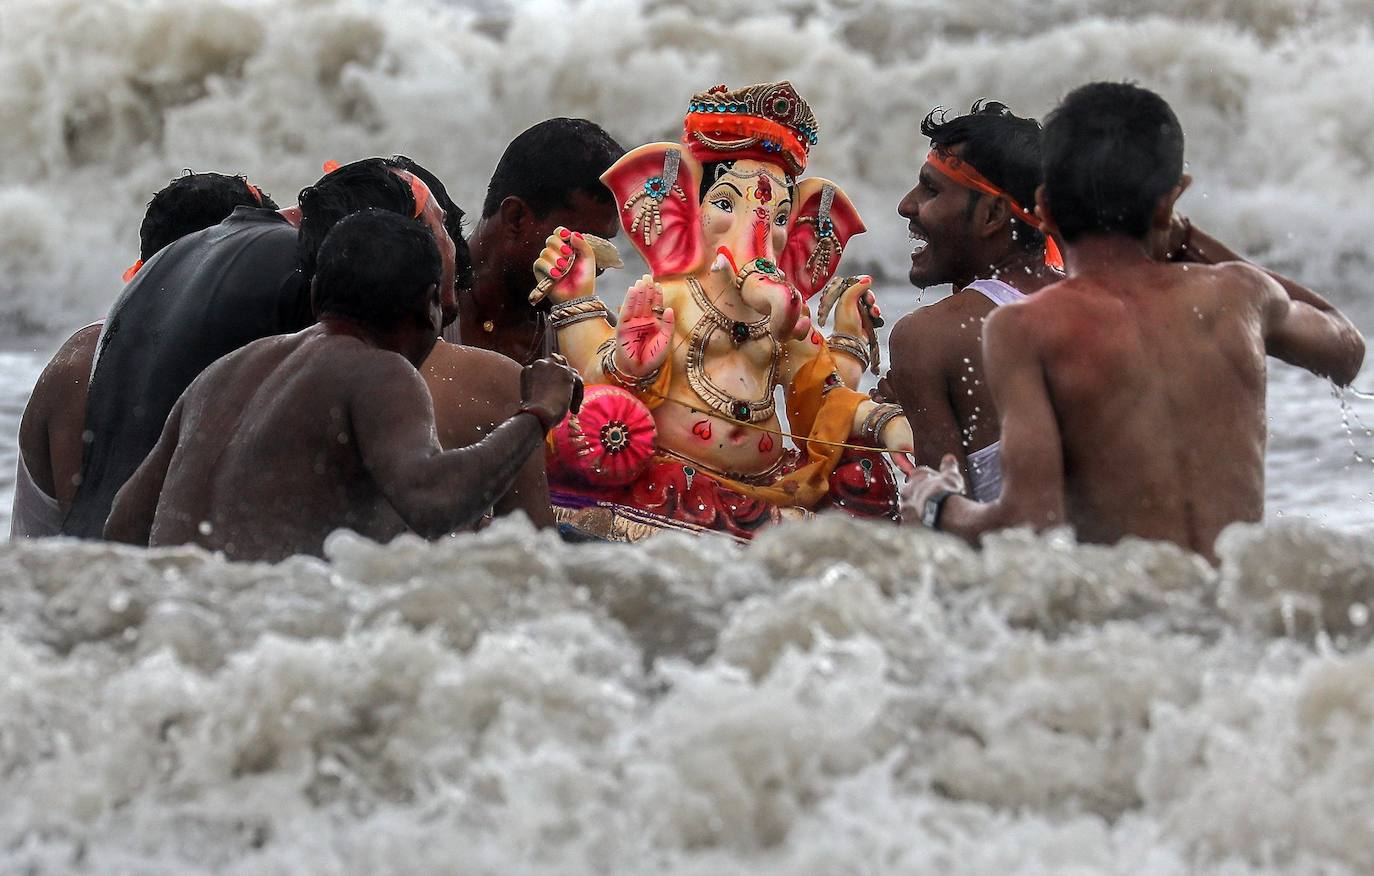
point(565, 269)
point(644, 335)
point(856, 314)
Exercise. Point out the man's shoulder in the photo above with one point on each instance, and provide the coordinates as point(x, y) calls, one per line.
point(473, 367)
point(938, 330)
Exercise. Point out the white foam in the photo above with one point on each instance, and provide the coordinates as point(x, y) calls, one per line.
point(105, 102)
point(836, 696)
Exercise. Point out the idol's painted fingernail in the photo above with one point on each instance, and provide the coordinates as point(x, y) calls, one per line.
point(577, 235)
point(565, 249)
point(562, 263)
point(564, 233)
point(555, 273)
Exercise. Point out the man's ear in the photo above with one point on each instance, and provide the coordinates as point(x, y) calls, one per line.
point(995, 215)
point(1042, 210)
point(515, 215)
point(1163, 215)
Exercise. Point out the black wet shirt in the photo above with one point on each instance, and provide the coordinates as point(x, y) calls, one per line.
point(201, 297)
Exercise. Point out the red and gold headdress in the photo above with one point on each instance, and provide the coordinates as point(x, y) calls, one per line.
point(768, 122)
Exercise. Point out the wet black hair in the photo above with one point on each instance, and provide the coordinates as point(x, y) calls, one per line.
point(1112, 150)
point(463, 275)
point(352, 187)
point(191, 202)
point(378, 268)
point(1002, 146)
point(547, 163)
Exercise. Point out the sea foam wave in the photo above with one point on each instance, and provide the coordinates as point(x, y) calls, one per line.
point(104, 102)
point(834, 698)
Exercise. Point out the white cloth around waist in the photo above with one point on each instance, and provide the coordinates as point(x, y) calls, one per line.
point(985, 465)
point(35, 513)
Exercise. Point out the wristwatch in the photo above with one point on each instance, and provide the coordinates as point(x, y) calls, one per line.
point(930, 511)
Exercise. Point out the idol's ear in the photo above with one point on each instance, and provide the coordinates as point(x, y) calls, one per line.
point(656, 191)
point(823, 220)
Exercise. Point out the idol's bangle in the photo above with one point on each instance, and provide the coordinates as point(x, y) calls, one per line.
point(851, 344)
point(578, 310)
point(619, 377)
point(877, 420)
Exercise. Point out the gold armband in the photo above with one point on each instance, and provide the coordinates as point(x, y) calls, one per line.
point(877, 420)
point(619, 377)
point(578, 310)
point(851, 344)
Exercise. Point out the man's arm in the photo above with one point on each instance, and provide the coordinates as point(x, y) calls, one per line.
point(1300, 327)
point(530, 490)
point(135, 505)
point(917, 377)
point(437, 491)
point(1032, 453)
point(473, 390)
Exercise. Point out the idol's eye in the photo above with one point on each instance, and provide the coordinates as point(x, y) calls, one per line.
point(781, 220)
point(723, 204)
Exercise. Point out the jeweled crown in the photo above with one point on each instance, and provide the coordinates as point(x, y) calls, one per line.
point(769, 122)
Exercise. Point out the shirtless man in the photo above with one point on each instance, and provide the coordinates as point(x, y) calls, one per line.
point(549, 176)
point(474, 390)
point(206, 295)
point(50, 433)
point(970, 229)
point(278, 444)
point(1131, 394)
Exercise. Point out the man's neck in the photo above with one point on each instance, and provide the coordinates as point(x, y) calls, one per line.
point(1023, 270)
point(1104, 252)
point(496, 303)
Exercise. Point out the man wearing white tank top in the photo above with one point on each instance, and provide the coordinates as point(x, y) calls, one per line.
point(969, 229)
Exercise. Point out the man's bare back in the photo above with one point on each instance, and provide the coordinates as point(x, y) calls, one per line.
point(474, 390)
point(284, 441)
point(1132, 397)
point(1144, 452)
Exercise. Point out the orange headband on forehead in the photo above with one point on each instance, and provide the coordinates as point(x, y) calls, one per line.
point(966, 175)
point(421, 193)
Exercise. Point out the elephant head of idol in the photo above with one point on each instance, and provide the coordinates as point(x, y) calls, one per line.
point(728, 198)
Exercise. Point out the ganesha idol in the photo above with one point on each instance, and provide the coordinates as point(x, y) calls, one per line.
point(680, 427)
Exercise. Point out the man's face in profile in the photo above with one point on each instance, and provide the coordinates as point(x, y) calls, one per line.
point(938, 213)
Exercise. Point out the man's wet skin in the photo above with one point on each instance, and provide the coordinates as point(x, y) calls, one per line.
point(937, 354)
point(270, 450)
point(497, 315)
point(280, 443)
point(1133, 396)
point(474, 391)
point(55, 417)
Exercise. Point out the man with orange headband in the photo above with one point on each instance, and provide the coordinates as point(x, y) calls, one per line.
point(971, 228)
point(1131, 394)
point(50, 433)
point(209, 294)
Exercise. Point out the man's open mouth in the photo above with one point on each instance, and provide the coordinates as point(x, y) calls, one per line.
point(919, 241)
